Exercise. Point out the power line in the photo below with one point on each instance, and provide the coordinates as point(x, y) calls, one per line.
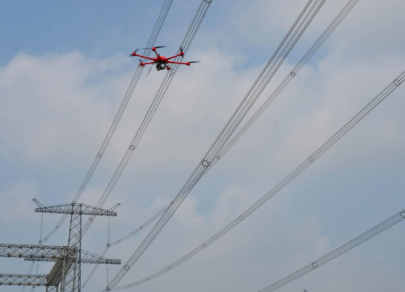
point(187, 40)
point(292, 36)
point(120, 112)
point(339, 251)
point(129, 235)
point(214, 107)
point(329, 143)
point(192, 31)
point(149, 221)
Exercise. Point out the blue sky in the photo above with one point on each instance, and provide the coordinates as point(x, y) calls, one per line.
point(357, 184)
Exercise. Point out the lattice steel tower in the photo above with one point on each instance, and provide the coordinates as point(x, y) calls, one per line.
point(68, 259)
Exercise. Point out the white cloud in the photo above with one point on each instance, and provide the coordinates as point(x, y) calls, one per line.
point(274, 241)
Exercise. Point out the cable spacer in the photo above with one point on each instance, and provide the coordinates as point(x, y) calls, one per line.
point(126, 268)
point(292, 73)
point(91, 219)
point(314, 265)
point(108, 288)
point(108, 245)
point(397, 82)
point(99, 155)
point(148, 278)
point(132, 147)
point(204, 245)
point(205, 163)
point(311, 159)
point(241, 217)
point(402, 214)
point(141, 227)
point(218, 157)
point(169, 267)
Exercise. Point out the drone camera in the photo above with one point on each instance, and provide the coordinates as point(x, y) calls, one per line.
point(160, 66)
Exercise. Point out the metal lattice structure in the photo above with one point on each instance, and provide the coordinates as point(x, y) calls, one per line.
point(76, 208)
point(23, 280)
point(66, 271)
point(87, 258)
point(31, 251)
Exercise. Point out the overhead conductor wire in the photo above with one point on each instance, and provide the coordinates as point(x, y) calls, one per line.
point(124, 103)
point(192, 31)
point(297, 29)
point(322, 38)
point(337, 252)
point(339, 134)
point(157, 215)
point(109, 245)
point(189, 37)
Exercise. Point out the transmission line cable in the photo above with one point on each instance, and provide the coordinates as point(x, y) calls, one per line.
point(192, 31)
point(189, 37)
point(340, 17)
point(330, 142)
point(162, 210)
point(295, 32)
point(339, 251)
point(132, 233)
point(215, 106)
point(124, 103)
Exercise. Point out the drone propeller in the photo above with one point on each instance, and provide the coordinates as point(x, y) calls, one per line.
point(132, 54)
point(157, 47)
point(194, 62)
point(181, 52)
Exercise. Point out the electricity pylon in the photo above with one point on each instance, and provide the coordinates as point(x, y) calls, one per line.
point(68, 259)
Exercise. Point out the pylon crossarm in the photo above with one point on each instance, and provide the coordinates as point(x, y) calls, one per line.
point(23, 280)
point(76, 208)
point(91, 258)
point(32, 251)
point(87, 258)
point(38, 203)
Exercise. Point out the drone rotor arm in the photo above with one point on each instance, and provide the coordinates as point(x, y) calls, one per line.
point(175, 56)
point(147, 63)
point(180, 63)
point(134, 54)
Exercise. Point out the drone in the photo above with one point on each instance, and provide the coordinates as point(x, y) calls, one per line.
point(161, 61)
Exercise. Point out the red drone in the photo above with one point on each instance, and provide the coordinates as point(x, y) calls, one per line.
point(161, 61)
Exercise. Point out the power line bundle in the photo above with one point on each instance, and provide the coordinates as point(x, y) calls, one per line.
point(189, 37)
point(329, 143)
point(120, 112)
point(298, 28)
point(337, 252)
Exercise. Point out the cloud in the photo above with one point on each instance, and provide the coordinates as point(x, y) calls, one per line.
point(356, 185)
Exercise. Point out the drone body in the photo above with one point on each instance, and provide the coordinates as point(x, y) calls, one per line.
point(161, 61)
